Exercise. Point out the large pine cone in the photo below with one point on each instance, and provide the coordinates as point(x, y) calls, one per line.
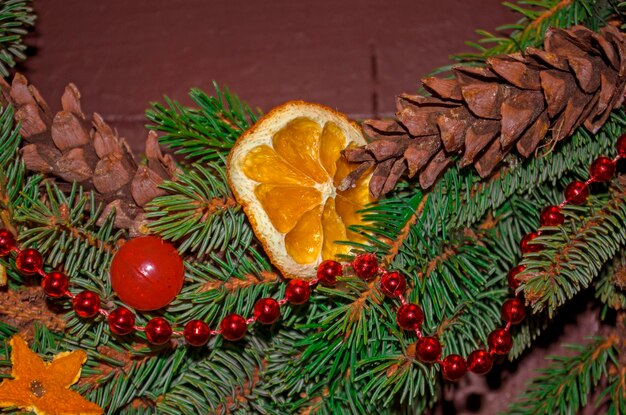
point(481, 113)
point(72, 148)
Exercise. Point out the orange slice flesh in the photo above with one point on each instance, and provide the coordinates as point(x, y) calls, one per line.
point(284, 171)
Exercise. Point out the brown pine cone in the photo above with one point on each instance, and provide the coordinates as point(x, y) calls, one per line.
point(482, 113)
point(72, 148)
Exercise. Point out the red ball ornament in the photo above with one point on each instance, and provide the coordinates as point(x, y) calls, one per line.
point(86, 304)
point(196, 333)
point(500, 341)
point(29, 261)
point(621, 146)
point(454, 367)
point(525, 245)
point(328, 271)
point(428, 349)
point(147, 273)
point(576, 192)
point(512, 276)
point(55, 284)
point(513, 311)
point(121, 321)
point(297, 291)
point(365, 266)
point(602, 169)
point(392, 284)
point(410, 316)
point(267, 310)
point(158, 331)
point(233, 327)
point(551, 216)
point(480, 362)
point(7, 242)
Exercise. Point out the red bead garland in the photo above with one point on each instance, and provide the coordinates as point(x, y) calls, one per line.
point(365, 266)
point(512, 276)
point(86, 304)
point(602, 169)
point(576, 192)
point(479, 362)
point(328, 271)
point(7, 242)
point(297, 291)
point(266, 310)
point(158, 331)
point(121, 321)
point(527, 247)
point(410, 316)
point(454, 367)
point(551, 216)
point(197, 333)
point(428, 349)
point(233, 327)
point(500, 341)
point(29, 261)
point(513, 311)
point(392, 284)
point(55, 284)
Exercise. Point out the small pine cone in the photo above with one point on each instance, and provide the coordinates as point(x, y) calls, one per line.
point(69, 146)
point(480, 114)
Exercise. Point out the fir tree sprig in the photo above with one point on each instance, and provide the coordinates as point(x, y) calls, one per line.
point(16, 18)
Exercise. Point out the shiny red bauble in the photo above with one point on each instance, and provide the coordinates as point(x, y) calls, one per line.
point(454, 367)
point(86, 304)
point(602, 169)
point(551, 216)
point(147, 273)
point(392, 284)
point(29, 261)
point(513, 311)
point(365, 266)
point(121, 321)
point(55, 284)
point(196, 333)
point(500, 341)
point(512, 276)
point(410, 316)
point(7, 242)
point(266, 310)
point(576, 192)
point(525, 245)
point(621, 146)
point(297, 291)
point(233, 327)
point(328, 271)
point(158, 331)
point(428, 349)
point(480, 362)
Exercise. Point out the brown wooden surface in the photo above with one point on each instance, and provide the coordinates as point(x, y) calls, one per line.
point(352, 55)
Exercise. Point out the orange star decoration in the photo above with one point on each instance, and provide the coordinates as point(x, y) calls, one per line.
point(44, 387)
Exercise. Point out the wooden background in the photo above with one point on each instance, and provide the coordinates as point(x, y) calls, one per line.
point(348, 54)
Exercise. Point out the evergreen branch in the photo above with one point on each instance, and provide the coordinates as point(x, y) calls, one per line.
point(16, 17)
point(205, 134)
point(564, 386)
point(574, 255)
point(609, 287)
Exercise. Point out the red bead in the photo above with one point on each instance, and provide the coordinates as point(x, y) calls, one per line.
point(328, 271)
point(621, 146)
point(7, 242)
point(512, 276)
point(197, 333)
point(551, 216)
point(410, 316)
point(526, 246)
point(55, 284)
point(158, 331)
point(480, 362)
point(147, 273)
point(602, 169)
point(86, 304)
point(500, 341)
point(267, 310)
point(576, 192)
point(29, 261)
point(297, 291)
point(392, 284)
point(513, 311)
point(454, 367)
point(428, 349)
point(365, 266)
point(233, 327)
point(121, 321)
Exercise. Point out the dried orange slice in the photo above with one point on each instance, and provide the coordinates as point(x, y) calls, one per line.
point(284, 171)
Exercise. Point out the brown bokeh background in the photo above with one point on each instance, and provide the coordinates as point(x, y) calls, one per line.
point(354, 55)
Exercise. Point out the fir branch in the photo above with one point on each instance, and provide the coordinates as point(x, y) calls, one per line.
point(573, 256)
point(205, 134)
point(16, 18)
point(609, 287)
point(564, 386)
